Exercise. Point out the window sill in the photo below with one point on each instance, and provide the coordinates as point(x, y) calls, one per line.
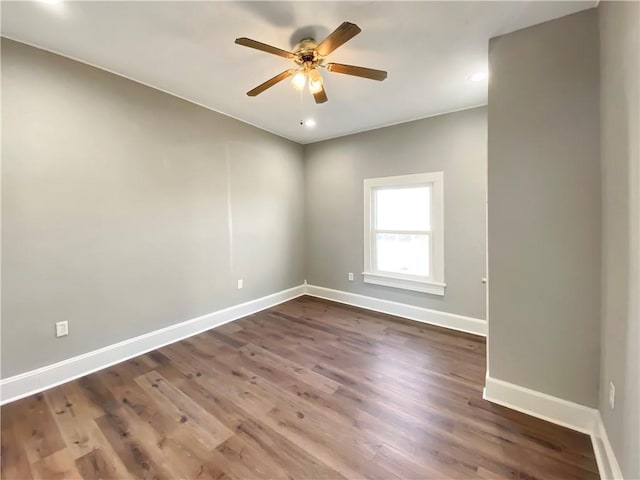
point(424, 286)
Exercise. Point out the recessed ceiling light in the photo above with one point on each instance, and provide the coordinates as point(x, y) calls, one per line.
point(50, 2)
point(310, 122)
point(478, 77)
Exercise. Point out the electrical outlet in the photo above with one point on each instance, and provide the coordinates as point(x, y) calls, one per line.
point(612, 395)
point(62, 328)
point(239, 284)
point(351, 276)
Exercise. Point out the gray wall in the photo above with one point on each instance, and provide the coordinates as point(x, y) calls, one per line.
point(125, 210)
point(544, 208)
point(620, 125)
point(454, 143)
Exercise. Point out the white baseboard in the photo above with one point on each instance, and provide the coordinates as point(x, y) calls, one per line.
point(34, 381)
point(420, 314)
point(607, 461)
point(553, 409)
point(561, 412)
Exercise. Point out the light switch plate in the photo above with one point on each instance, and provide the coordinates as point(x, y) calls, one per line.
point(62, 328)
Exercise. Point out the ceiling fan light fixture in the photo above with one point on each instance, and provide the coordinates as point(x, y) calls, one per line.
point(315, 82)
point(299, 80)
point(315, 87)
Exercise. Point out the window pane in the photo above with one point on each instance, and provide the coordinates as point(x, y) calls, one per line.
point(404, 208)
point(399, 253)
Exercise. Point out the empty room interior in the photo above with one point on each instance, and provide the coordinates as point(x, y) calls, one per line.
point(320, 240)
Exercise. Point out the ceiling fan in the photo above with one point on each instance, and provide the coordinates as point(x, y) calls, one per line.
point(309, 56)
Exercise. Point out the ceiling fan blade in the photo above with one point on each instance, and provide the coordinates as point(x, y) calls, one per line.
point(271, 82)
point(321, 96)
point(339, 36)
point(357, 71)
point(263, 47)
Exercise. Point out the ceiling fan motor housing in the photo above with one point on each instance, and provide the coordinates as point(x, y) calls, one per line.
point(305, 53)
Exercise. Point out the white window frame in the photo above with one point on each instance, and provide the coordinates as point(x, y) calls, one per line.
point(434, 284)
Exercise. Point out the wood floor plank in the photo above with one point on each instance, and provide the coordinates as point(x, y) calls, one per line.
point(258, 356)
point(353, 459)
point(80, 432)
point(254, 462)
point(139, 462)
point(297, 462)
point(204, 427)
point(96, 465)
point(133, 397)
point(57, 466)
point(306, 389)
point(36, 430)
point(13, 461)
point(406, 466)
point(218, 378)
point(73, 424)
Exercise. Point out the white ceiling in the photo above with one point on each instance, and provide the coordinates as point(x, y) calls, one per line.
point(187, 48)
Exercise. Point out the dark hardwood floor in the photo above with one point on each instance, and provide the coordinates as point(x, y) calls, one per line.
point(308, 389)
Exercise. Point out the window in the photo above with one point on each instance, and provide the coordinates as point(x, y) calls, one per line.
point(403, 232)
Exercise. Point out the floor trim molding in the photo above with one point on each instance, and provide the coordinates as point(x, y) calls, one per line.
point(553, 409)
point(607, 461)
point(561, 412)
point(34, 381)
point(419, 314)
